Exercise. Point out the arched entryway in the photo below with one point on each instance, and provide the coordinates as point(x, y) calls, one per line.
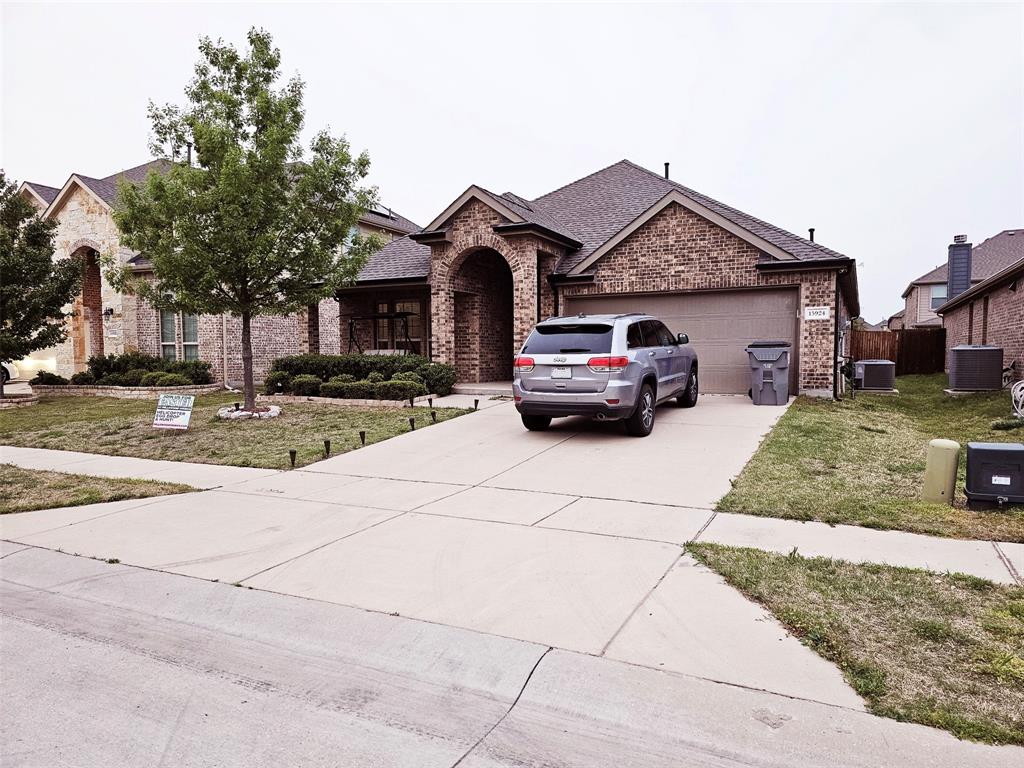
point(482, 289)
point(87, 323)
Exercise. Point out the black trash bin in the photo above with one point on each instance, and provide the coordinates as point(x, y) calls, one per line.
point(769, 372)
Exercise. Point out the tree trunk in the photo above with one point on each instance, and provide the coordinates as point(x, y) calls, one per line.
point(2, 377)
point(247, 384)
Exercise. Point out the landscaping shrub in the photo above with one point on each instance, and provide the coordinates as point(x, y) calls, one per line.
point(343, 378)
point(172, 380)
point(45, 377)
point(133, 378)
point(83, 378)
point(101, 367)
point(306, 384)
point(375, 377)
point(113, 380)
point(275, 378)
point(357, 390)
point(197, 371)
point(408, 376)
point(398, 390)
point(325, 367)
point(152, 379)
point(438, 378)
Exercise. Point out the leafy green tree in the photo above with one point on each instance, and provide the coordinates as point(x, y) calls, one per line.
point(256, 226)
point(34, 288)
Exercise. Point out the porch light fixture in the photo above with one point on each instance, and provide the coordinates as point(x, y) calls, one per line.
point(108, 313)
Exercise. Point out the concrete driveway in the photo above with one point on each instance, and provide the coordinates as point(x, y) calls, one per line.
point(570, 538)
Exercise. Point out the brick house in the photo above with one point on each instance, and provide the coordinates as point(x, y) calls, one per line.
point(106, 321)
point(924, 295)
point(990, 312)
point(476, 278)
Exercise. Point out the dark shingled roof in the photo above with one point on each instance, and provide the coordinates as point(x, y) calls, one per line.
point(106, 188)
point(403, 257)
point(988, 257)
point(598, 206)
point(388, 219)
point(47, 193)
point(591, 211)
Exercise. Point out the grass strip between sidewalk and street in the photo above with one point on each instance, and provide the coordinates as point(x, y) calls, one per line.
point(124, 428)
point(861, 461)
point(23, 490)
point(944, 650)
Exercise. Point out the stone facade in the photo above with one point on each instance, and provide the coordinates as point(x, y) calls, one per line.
point(996, 317)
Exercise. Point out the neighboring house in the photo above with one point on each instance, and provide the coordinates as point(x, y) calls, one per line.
point(623, 239)
point(895, 322)
point(106, 321)
point(924, 295)
point(991, 312)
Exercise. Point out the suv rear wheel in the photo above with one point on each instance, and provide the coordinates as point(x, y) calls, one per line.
point(689, 397)
point(641, 422)
point(536, 423)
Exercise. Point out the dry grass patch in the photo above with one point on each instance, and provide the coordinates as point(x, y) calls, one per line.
point(22, 490)
point(862, 461)
point(123, 428)
point(940, 650)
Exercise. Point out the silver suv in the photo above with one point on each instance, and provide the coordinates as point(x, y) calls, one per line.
point(603, 366)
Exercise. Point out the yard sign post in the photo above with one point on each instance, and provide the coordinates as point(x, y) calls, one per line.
point(173, 411)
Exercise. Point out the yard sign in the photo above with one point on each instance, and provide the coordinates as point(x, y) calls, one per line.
point(173, 411)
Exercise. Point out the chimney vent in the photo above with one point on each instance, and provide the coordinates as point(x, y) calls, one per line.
point(666, 170)
point(958, 269)
point(810, 231)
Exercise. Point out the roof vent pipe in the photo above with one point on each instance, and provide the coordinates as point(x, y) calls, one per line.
point(666, 170)
point(811, 232)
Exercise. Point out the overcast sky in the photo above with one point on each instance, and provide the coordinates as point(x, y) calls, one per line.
point(889, 128)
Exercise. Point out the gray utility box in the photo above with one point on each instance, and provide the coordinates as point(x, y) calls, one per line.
point(874, 374)
point(995, 474)
point(769, 372)
point(975, 368)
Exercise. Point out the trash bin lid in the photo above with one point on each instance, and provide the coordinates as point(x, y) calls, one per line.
point(763, 343)
point(766, 354)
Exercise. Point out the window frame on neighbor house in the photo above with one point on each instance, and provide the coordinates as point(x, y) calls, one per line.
point(183, 343)
point(934, 300)
point(387, 331)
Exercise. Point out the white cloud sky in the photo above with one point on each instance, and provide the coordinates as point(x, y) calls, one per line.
point(889, 128)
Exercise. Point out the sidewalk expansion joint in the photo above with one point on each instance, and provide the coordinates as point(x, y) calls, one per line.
point(508, 711)
point(1014, 573)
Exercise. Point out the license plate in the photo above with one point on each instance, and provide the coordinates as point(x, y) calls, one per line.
point(562, 372)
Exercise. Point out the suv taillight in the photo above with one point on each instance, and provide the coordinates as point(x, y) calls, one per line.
point(607, 364)
point(524, 364)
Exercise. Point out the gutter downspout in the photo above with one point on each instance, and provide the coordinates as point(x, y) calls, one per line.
point(224, 347)
point(835, 340)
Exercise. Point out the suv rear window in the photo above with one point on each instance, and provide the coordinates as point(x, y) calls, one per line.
point(569, 339)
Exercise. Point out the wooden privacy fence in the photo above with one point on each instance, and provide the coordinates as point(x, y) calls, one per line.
point(914, 350)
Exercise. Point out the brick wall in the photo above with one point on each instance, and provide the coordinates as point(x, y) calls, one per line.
point(1000, 323)
point(678, 250)
point(483, 318)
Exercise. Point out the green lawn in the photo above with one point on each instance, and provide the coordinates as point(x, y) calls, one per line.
point(123, 428)
point(862, 461)
point(940, 650)
point(22, 490)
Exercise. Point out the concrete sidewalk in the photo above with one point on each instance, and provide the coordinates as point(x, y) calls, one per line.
point(143, 668)
point(100, 465)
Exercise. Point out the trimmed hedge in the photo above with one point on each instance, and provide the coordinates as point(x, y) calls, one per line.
point(274, 378)
point(83, 378)
point(326, 367)
point(173, 380)
point(152, 379)
point(307, 385)
point(45, 377)
point(348, 390)
point(438, 378)
point(129, 369)
point(398, 390)
point(408, 376)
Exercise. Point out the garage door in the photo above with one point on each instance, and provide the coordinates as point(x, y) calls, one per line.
point(720, 324)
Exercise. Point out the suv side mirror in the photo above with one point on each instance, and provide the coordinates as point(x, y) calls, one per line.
point(682, 338)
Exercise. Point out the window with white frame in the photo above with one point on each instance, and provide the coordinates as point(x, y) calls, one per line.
point(938, 295)
point(190, 337)
point(170, 321)
point(168, 335)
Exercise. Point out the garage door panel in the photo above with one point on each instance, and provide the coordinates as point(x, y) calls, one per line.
point(720, 324)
